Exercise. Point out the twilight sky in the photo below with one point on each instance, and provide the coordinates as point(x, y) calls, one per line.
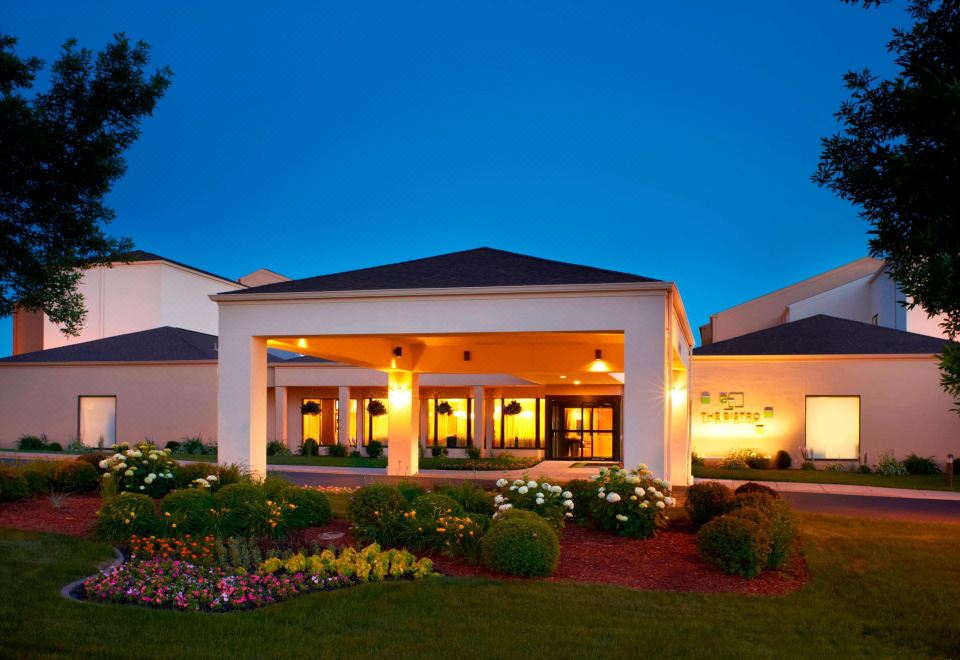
point(673, 140)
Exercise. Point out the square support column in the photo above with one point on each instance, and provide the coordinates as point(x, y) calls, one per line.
point(280, 415)
point(645, 399)
point(403, 448)
point(242, 403)
point(479, 420)
point(343, 416)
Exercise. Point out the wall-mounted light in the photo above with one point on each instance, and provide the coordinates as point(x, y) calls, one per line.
point(397, 351)
point(598, 354)
point(466, 356)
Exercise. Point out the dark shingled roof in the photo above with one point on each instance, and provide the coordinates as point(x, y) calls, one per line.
point(825, 335)
point(156, 345)
point(481, 267)
point(141, 255)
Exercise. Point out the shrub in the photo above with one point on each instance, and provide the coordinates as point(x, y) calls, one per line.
point(752, 500)
point(190, 511)
point(889, 466)
point(93, 458)
point(751, 487)
point(921, 464)
point(53, 446)
point(196, 446)
point(473, 453)
point(707, 500)
point(310, 508)
point(547, 500)
point(126, 514)
point(274, 486)
point(75, 477)
point(310, 448)
point(30, 443)
point(520, 546)
point(198, 475)
point(783, 534)
point(374, 449)
point(339, 451)
point(696, 459)
point(144, 469)
point(244, 511)
point(470, 496)
point(172, 445)
point(835, 467)
point(277, 448)
point(437, 451)
point(864, 469)
point(377, 513)
point(809, 465)
point(13, 486)
point(38, 477)
point(437, 505)
point(630, 503)
point(410, 490)
point(782, 460)
point(737, 544)
point(757, 462)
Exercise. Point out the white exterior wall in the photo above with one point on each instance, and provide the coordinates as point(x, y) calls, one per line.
point(851, 301)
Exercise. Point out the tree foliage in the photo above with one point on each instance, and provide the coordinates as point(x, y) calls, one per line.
point(897, 157)
point(61, 150)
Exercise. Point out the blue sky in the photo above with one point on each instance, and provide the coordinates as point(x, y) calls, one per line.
point(673, 140)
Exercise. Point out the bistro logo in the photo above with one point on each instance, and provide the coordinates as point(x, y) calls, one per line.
point(732, 410)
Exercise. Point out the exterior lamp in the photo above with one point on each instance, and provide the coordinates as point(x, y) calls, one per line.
point(397, 351)
point(598, 354)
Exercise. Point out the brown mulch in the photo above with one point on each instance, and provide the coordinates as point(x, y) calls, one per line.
point(75, 516)
point(668, 562)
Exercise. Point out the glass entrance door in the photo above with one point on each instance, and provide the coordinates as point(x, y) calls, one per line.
point(584, 429)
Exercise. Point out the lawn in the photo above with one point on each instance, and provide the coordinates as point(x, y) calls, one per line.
point(918, 482)
point(879, 588)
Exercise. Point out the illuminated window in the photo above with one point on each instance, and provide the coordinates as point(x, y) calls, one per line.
point(377, 426)
point(833, 427)
point(521, 430)
point(312, 423)
point(352, 424)
point(449, 422)
point(98, 421)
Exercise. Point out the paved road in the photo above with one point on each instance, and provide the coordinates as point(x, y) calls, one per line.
point(851, 505)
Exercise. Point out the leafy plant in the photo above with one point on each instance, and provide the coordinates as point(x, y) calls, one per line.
point(736, 544)
point(751, 487)
point(144, 469)
point(13, 486)
point(75, 477)
point(277, 448)
point(696, 459)
point(630, 503)
point(473, 453)
point(339, 451)
point(738, 459)
point(190, 511)
point(195, 446)
point(470, 496)
point(305, 507)
point(921, 464)
point(376, 408)
point(126, 514)
point(310, 447)
point(706, 501)
point(310, 408)
point(549, 501)
point(437, 451)
point(377, 513)
point(520, 546)
point(513, 408)
point(374, 449)
point(444, 408)
point(889, 466)
point(410, 490)
point(30, 443)
point(808, 465)
point(782, 460)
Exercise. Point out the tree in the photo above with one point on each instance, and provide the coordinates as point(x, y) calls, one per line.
point(897, 157)
point(60, 153)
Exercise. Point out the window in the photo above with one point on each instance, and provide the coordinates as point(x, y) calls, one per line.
point(321, 425)
point(312, 423)
point(97, 424)
point(377, 426)
point(521, 430)
point(833, 427)
point(449, 422)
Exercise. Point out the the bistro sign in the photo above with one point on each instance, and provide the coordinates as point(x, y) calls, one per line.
point(732, 410)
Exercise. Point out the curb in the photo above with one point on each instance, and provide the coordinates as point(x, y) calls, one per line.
point(70, 590)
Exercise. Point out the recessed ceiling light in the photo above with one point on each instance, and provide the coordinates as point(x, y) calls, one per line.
point(576, 382)
point(562, 377)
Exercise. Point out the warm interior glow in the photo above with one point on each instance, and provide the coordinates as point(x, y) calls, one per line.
point(599, 366)
point(833, 427)
point(678, 395)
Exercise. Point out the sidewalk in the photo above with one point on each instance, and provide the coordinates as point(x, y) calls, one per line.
point(845, 489)
point(555, 470)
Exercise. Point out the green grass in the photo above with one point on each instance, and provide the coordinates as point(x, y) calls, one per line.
point(917, 482)
point(879, 588)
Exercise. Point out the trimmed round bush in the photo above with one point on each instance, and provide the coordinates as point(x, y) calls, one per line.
point(410, 490)
point(243, 509)
point(13, 486)
point(374, 503)
point(751, 487)
point(53, 446)
point(312, 508)
point(520, 546)
point(782, 460)
point(437, 505)
point(736, 543)
point(310, 447)
point(39, 477)
point(30, 443)
point(374, 449)
point(519, 514)
point(752, 499)
point(191, 510)
point(275, 486)
point(706, 501)
point(124, 515)
point(75, 477)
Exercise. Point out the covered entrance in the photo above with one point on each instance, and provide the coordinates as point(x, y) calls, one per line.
point(583, 428)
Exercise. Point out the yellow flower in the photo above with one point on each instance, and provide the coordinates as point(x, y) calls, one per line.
point(174, 525)
point(126, 521)
point(167, 514)
point(133, 514)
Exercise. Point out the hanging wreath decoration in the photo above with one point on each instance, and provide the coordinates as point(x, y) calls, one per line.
point(309, 408)
point(375, 408)
point(513, 408)
point(444, 408)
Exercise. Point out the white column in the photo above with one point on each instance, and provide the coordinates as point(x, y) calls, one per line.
point(242, 402)
point(280, 414)
point(645, 399)
point(343, 416)
point(479, 421)
point(360, 426)
point(403, 456)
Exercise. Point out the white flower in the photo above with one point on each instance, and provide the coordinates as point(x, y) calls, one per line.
point(665, 484)
point(642, 467)
point(128, 473)
point(613, 497)
point(600, 494)
point(669, 501)
point(540, 499)
point(658, 495)
point(568, 504)
point(638, 490)
point(643, 505)
point(104, 464)
point(567, 495)
point(211, 477)
point(621, 517)
point(117, 457)
point(632, 479)
point(531, 484)
point(651, 489)
point(595, 477)
point(568, 514)
point(143, 487)
point(106, 475)
point(498, 499)
point(660, 504)
point(603, 470)
point(130, 453)
point(501, 483)
point(555, 489)
point(633, 498)
point(523, 490)
point(545, 486)
point(518, 482)
point(504, 507)
point(202, 483)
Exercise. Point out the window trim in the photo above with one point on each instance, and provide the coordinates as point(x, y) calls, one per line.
point(859, 399)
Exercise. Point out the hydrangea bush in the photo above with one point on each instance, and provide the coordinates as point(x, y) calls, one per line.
point(141, 469)
point(630, 503)
point(547, 500)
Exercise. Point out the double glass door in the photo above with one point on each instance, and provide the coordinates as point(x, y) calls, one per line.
point(585, 429)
